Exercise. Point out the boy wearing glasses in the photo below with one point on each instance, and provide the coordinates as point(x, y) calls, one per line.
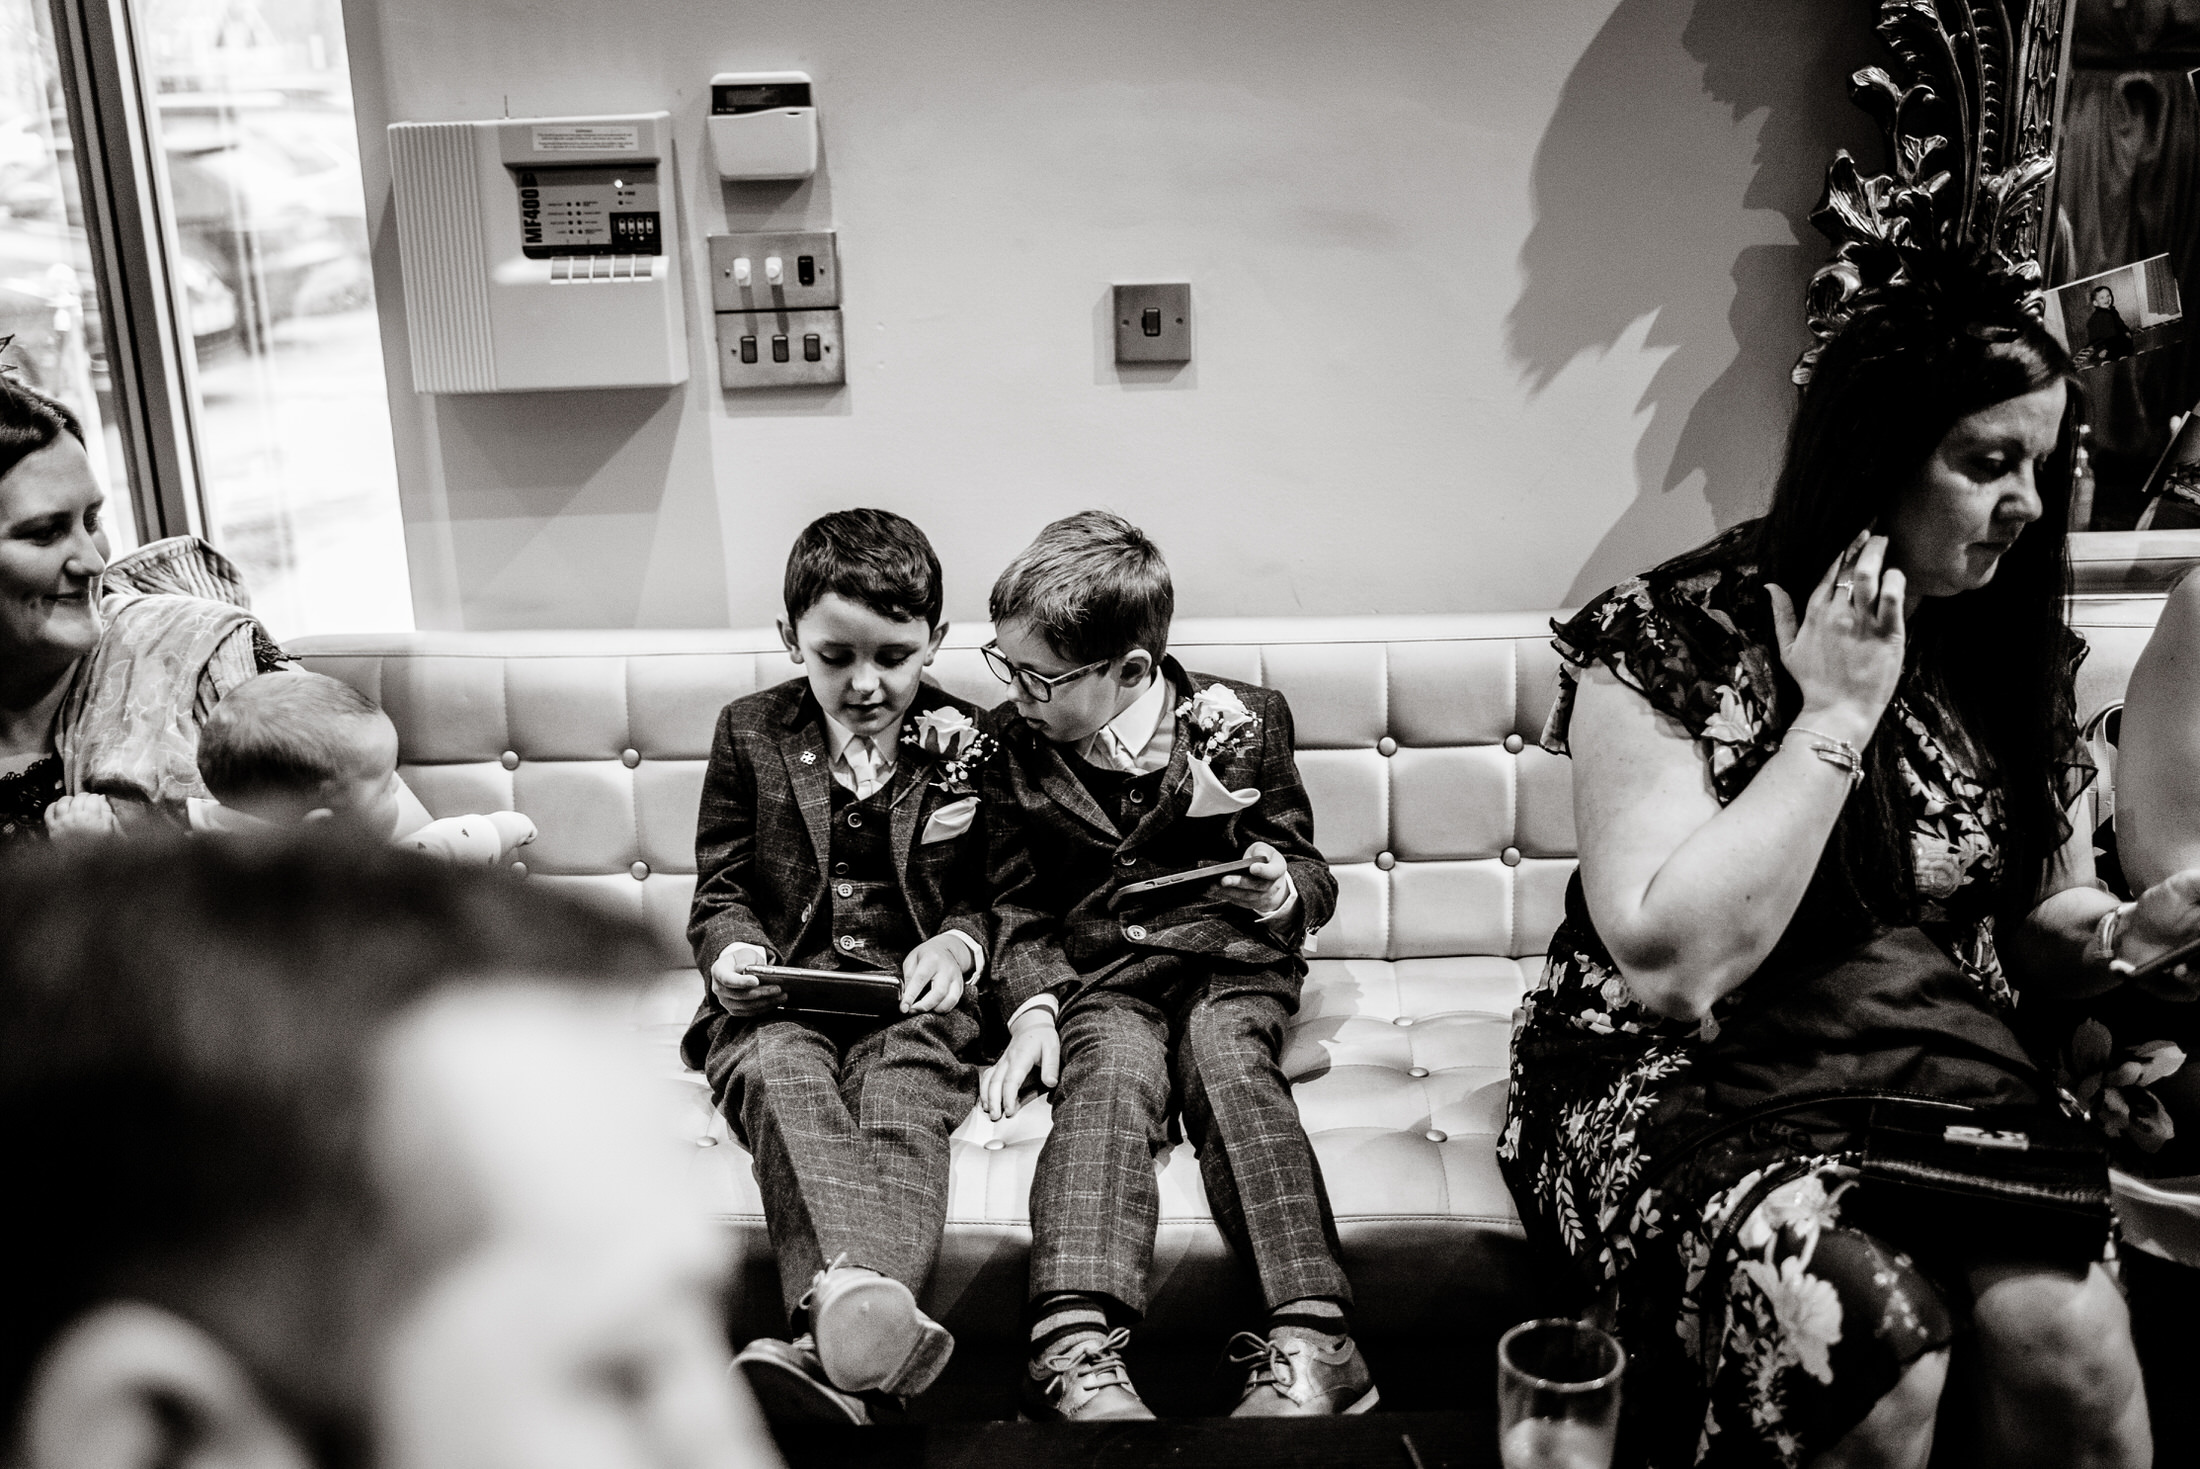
point(1118, 766)
point(840, 829)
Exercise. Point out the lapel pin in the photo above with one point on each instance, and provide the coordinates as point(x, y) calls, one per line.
point(809, 757)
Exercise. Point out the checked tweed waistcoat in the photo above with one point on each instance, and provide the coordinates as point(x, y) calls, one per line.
point(867, 924)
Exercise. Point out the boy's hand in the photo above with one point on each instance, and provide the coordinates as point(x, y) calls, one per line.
point(932, 975)
point(1033, 1044)
point(81, 818)
point(1260, 889)
point(739, 992)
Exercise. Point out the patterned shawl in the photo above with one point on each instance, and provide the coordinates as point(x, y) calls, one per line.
point(130, 724)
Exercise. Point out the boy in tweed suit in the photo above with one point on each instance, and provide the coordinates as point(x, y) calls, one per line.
point(839, 829)
point(1117, 766)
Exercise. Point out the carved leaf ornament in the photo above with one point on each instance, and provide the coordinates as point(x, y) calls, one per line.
point(1967, 106)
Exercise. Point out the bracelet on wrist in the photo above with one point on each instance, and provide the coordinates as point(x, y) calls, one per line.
point(2108, 937)
point(1838, 753)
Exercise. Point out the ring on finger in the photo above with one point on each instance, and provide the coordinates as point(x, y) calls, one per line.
point(1843, 587)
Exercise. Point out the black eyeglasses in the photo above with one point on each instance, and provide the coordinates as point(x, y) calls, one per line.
point(1037, 687)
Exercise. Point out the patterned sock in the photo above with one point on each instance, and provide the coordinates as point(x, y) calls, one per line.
point(1060, 1319)
point(1318, 1319)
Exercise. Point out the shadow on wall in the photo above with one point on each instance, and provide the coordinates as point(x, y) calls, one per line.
point(580, 509)
point(1719, 254)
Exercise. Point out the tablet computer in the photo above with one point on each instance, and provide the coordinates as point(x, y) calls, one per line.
point(1131, 892)
point(869, 994)
point(2177, 958)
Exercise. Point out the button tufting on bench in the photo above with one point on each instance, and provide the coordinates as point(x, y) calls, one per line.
point(630, 758)
point(1417, 1071)
point(1510, 856)
point(1386, 860)
point(509, 759)
point(1436, 1137)
point(1514, 744)
point(638, 871)
point(1386, 746)
point(520, 868)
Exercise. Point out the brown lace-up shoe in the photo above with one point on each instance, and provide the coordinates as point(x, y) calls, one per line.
point(1292, 1377)
point(1085, 1382)
point(870, 1335)
point(790, 1383)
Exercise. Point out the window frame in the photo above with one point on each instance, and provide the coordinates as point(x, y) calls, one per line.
point(129, 222)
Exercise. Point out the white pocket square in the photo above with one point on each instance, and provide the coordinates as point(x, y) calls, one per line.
point(949, 822)
point(1210, 797)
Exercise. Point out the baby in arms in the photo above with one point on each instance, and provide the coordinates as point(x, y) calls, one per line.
point(290, 747)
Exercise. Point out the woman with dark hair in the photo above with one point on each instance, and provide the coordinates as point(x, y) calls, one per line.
point(105, 672)
point(1821, 766)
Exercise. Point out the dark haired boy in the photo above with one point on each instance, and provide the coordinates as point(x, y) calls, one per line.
point(839, 829)
point(1118, 766)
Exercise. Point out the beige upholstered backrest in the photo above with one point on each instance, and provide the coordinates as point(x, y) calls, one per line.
point(1450, 829)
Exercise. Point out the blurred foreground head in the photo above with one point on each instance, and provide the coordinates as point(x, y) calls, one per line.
point(339, 1158)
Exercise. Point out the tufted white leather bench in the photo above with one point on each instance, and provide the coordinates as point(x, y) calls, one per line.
point(1451, 832)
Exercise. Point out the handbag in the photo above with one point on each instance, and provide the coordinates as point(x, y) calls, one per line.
point(2025, 1182)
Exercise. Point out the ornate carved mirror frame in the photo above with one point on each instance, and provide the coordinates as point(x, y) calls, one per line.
point(1971, 102)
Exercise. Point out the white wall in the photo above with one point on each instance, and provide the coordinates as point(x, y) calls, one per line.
point(1493, 301)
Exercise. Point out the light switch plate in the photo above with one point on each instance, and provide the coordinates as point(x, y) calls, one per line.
point(746, 343)
point(1153, 323)
point(790, 248)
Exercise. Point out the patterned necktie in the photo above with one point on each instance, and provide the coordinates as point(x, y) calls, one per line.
point(862, 758)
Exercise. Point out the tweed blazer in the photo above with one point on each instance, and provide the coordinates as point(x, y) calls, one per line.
point(763, 838)
point(1055, 858)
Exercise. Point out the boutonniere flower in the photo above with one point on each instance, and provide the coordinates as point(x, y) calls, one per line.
point(954, 742)
point(1212, 723)
point(1216, 721)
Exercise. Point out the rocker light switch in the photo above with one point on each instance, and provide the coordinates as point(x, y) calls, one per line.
point(1153, 323)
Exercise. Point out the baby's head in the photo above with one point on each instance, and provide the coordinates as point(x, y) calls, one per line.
point(286, 746)
point(863, 614)
point(1089, 603)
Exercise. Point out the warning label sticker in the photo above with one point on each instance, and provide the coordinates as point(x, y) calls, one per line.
point(588, 137)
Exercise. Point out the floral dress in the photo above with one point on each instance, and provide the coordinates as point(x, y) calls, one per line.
point(1760, 1325)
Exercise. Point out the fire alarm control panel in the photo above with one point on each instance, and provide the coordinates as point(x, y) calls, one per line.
point(539, 253)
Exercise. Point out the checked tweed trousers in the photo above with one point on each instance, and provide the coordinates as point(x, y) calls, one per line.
point(849, 1131)
point(1094, 1199)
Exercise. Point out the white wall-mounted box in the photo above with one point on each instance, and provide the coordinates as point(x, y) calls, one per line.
point(539, 253)
point(763, 125)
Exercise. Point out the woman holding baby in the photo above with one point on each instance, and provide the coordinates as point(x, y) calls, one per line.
point(105, 673)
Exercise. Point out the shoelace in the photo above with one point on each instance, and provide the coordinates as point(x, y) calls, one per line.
point(1097, 1362)
point(1270, 1363)
point(819, 1279)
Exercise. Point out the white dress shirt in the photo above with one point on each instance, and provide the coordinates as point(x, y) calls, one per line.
point(861, 765)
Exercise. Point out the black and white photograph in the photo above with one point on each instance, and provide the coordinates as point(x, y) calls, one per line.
point(1336, 734)
point(2118, 314)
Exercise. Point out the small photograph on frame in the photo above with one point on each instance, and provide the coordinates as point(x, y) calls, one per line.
point(2118, 314)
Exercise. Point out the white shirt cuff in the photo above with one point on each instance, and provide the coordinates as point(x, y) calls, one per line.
point(977, 954)
point(1283, 909)
point(1048, 1002)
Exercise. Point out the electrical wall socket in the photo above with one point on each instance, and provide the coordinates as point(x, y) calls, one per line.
point(1153, 323)
point(741, 267)
point(780, 349)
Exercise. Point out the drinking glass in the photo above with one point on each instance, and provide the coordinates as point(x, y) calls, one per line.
point(1557, 1395)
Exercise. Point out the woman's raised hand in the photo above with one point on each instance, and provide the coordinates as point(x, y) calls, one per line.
point(1846, 652)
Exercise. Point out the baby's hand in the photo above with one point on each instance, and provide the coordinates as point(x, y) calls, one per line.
point(83, 818)
point(740, 993)
point(932, 975)
point(1260, 888)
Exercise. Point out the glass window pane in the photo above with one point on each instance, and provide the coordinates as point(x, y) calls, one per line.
point(49, 300)
point(254, 99)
